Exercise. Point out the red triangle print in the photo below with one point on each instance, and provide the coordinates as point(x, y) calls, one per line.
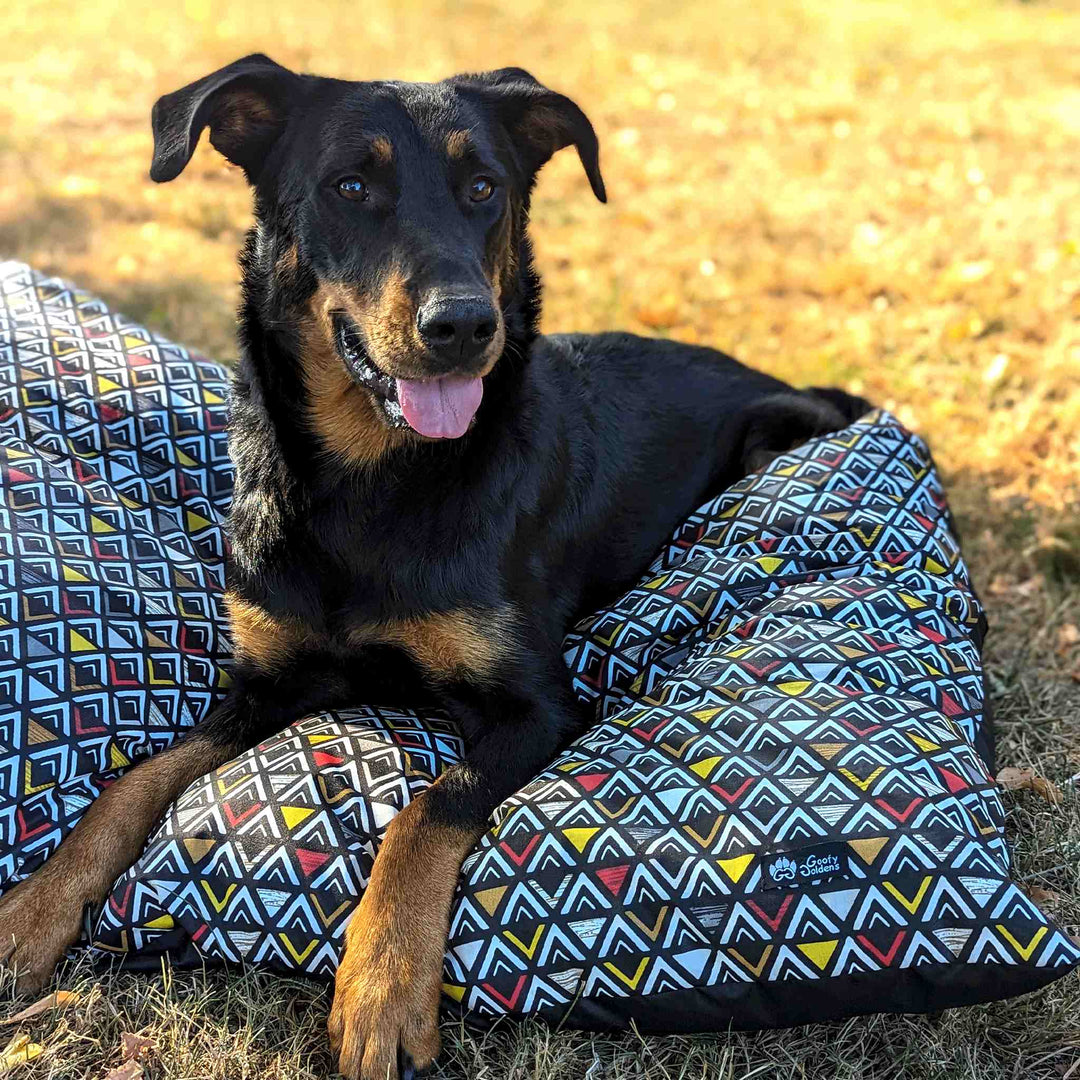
point(322, 759)
point(24, 831)
point(884, 958)
point(591, 781)
point(121, 907)
point(310, 861)
point(774, 923)
point(613, 877)
point(235, 819)
point(519, 859)
point(954, 782)
point(949, 706)
point(511, 1001)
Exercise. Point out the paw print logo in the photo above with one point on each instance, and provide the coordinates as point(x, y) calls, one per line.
point(783, 869)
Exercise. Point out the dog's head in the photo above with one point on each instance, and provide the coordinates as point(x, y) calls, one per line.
point(391, 219)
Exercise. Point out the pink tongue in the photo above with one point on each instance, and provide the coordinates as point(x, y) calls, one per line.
point(440, 408)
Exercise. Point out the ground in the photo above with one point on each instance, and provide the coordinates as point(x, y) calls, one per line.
point(883, 195)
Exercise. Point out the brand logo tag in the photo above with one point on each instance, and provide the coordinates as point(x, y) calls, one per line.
point(805, 866)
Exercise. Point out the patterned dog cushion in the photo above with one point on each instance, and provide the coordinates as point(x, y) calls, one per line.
point(786, 791)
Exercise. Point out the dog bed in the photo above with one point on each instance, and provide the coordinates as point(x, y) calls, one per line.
point(783, 812)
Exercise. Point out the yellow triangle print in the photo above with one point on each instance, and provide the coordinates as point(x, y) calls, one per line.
point(30, 788)
point(770, 563)
point(294, 815)
point(162, 922)
point(796, 687)
point(196, 522)
point(704, 767)
point(299, 957)
point(219, 905)
point(819, 953)
point(863, 784)
point(913, 904)
point(735, 868)
point(529, 949)
point(79, 642)
point(71, 574)
point(923, 744)
point(630, 981)
point(197, 848)
point(1024, 951)
point(581, 837)
point(490, 899)
point(868, 850)
point(457, 993)
point(117, 758)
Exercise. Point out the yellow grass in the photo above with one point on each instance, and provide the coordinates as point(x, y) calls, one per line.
point(883, 194)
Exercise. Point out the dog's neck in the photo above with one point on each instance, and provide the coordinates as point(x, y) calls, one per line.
point(281, 464)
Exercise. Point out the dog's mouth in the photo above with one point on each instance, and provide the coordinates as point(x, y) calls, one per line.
point(365, 374)
point(437, 408)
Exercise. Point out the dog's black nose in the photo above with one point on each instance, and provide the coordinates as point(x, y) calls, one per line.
point(457, 328)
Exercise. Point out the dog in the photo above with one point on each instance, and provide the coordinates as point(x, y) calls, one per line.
point(428, 493)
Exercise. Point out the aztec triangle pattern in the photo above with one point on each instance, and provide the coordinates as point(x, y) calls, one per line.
point(114, 475)
point(787, 785)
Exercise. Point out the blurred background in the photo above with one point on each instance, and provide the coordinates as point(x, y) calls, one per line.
point(883, 194)
point(880, 194)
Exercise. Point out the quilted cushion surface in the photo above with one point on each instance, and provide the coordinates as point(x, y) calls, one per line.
point(783, 811)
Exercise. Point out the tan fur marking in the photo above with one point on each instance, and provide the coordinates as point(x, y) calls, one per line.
point(389, 325)
point(42, 916)
point(288, 261)
point(260, 638)
point(342, 414)
point(387, 988)
point(449, 645)
point(458, 143)
point(502, 258)
point(382, 150)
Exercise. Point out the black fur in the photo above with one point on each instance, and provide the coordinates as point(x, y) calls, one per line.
point(586, 451)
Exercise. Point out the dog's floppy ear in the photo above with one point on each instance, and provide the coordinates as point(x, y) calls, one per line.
point(539, 121)
point(245, 105)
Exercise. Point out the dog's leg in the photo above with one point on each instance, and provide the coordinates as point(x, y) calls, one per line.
point(42, 917)
point(386, 996)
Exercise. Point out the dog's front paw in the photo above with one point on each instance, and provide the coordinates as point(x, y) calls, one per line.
point(38, 923)
point(384, 1023)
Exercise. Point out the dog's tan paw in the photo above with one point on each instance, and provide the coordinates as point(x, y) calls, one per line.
point(37, 926)
point(384, 1023)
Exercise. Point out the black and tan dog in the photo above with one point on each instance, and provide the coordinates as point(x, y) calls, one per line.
point(428, 494)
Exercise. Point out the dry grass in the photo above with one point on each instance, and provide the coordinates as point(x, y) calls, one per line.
point(880, 194)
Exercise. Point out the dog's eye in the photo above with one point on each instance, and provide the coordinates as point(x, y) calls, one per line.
point(481, 189)
point(352, 187)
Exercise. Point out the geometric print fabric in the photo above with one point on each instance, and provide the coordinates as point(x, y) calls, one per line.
point(786, 789)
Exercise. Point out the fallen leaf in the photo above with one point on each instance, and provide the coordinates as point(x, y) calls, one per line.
point(19, 1051)
point(1046, 790)
point(135, 1047)
point(1013, 779)
point(130, 1070)
point(62, 999)
point(1042, 896)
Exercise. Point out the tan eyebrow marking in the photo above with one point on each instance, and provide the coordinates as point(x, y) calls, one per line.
point(382, 149)
point(458, 143)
